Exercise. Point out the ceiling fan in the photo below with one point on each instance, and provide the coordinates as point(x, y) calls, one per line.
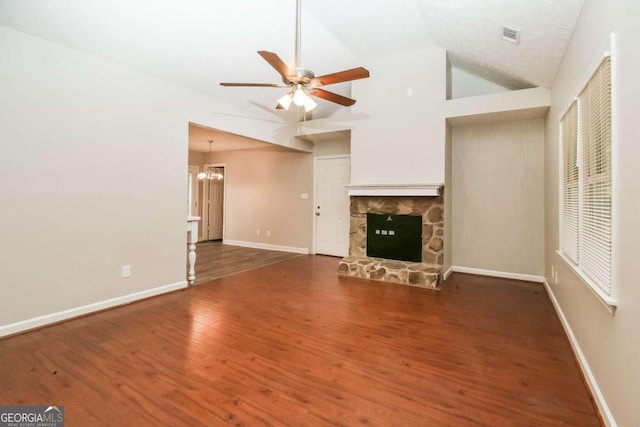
point(302, 82)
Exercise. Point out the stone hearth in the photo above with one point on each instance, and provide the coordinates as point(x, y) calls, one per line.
point(425, 274)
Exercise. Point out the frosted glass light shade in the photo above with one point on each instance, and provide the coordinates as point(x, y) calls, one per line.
point(285, 101)
point(309, 104)
point(299, 97)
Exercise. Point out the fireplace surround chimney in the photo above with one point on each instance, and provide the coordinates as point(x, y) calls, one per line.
point(427, 209)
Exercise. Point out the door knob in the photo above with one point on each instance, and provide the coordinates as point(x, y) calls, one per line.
point(317, 213)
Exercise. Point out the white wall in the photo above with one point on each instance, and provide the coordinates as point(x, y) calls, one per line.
point(608, 344)
point(464, 84)
point(498, 197)
point(499, 107)
point(92, 177)
point(402, 140)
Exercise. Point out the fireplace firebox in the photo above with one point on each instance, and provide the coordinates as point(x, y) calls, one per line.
point(397, 237)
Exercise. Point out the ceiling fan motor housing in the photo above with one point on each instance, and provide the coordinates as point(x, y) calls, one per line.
point(302, 76)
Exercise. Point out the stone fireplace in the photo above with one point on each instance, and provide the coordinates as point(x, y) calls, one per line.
point(428, 272)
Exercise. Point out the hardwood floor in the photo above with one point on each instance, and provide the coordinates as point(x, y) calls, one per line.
point(215, 260)
point(294, 344)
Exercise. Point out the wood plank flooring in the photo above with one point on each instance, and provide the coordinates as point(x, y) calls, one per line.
point(293, 344)
point(215, 260)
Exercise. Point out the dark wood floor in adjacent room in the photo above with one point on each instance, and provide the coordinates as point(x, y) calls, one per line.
point(215, 260)
point(294, 344)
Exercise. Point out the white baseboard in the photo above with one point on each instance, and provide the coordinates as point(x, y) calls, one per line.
point(582, 361)
point(36, 322)
point(267, 246)
point(447, 273)
point(502, 274)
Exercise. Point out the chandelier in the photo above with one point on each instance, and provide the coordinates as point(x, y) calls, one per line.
point(211, 173)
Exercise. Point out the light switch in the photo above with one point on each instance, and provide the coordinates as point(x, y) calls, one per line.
point(304, 196)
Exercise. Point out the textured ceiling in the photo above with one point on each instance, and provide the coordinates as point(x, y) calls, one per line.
point(470, 30)
point(199, 43)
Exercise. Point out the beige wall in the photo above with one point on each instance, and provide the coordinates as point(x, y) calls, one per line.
point(498, 200)
point(196, 158)
point(607, 344)
point(263, 191)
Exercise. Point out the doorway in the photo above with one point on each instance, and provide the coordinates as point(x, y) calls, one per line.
point(331, 209)
point(213, 205)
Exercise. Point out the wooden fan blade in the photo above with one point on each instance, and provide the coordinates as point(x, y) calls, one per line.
point(333, 97)
point(279, 107)
point(277, 63)
point(255, 84)
point(341, 76)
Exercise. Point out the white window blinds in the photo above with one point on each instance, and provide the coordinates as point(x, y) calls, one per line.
point(595, 127)
point(570, 202)
point(585, 221)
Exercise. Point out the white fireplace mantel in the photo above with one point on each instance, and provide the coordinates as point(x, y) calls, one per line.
point(431, 190)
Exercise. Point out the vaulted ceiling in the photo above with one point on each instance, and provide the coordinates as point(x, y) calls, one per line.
point(200, 43)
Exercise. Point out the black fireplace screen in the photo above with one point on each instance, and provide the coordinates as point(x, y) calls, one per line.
point(396, 237)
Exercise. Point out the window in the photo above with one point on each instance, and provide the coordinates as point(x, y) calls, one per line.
point(586, 201)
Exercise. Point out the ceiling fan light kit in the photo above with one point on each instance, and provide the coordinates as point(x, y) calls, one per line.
point(303, 83)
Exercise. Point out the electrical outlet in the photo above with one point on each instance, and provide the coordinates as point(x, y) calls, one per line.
point(268, 233)
point(126, 271)
point(257, 232)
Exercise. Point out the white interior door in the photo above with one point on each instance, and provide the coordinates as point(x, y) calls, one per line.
point(332, 174)
point(216, 206)
point(213, 203)
point(215, 213)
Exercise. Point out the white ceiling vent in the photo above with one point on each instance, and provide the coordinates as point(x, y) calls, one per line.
point(511, 35)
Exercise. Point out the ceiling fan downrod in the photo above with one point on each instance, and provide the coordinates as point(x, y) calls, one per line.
point(298, 36)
